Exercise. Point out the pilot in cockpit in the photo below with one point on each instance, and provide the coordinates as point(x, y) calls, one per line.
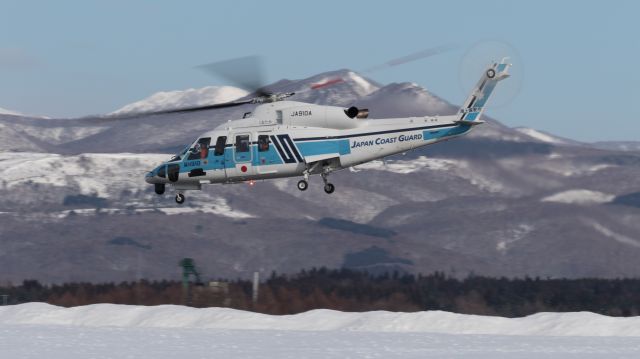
point(178, 156)
point(263, 143)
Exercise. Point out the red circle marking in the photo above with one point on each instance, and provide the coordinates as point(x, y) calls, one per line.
point(243, 168)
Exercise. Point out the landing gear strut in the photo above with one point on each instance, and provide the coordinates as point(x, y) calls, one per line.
point(303, 184)
point(179, 198)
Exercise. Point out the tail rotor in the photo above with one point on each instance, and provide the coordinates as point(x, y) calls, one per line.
point(475, 60)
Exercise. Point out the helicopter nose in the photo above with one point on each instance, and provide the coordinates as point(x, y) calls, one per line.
point(149, 178)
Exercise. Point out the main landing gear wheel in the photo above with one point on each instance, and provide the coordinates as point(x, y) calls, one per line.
point(329, 188)
point(179, 198)
point(303, 185)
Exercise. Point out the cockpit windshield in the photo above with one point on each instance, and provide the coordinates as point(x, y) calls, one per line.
point(178, 156)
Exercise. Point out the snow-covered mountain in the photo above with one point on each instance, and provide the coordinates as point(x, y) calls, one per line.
point(618, 145)
point(542, 136)
point(405, 99)
point(497, 202)
point(339, 88)
point(4, 111)
point(185, 98)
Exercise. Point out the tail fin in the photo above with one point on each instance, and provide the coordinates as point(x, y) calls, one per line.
point(474, 105)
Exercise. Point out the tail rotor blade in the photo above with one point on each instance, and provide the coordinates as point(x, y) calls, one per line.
point(481, 54)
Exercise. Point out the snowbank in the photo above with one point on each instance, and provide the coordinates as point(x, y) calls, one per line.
point(169, 316)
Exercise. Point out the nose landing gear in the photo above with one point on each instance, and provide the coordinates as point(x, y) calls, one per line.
point(180, 198)
point(303, 185)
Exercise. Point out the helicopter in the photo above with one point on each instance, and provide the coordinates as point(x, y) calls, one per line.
point(283, 138)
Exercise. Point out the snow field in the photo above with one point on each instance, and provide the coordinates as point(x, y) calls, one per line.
point(171, 316)
point(37, 330)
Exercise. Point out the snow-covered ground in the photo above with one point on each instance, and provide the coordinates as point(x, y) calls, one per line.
point(38, 330)
point(92, 172)
point(414, 165)
point(580, 196)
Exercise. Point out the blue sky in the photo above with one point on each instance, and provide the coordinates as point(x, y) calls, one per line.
point(577, 61)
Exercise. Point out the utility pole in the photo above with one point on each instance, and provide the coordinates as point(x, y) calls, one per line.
point(254, 292)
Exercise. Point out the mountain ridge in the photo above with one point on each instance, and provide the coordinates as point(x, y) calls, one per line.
point(496, 202)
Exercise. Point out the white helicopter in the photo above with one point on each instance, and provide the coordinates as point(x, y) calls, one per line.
point(282, 138)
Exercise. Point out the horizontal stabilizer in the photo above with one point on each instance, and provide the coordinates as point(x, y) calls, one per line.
point(469, 123)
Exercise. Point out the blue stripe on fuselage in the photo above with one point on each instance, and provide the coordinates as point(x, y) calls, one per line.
point(447, 132)
point(265, 158)
point(306, 148)
point(471, 116)
point(324, 147)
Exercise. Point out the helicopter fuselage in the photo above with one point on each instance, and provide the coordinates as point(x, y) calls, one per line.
point(287, 138)
point(292, 139)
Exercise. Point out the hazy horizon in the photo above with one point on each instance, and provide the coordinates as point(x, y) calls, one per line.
point(574, 67)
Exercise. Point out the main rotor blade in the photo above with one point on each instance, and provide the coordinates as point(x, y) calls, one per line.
point(179, 110)
point(204, 108)
point(394, 62)
point(245, 72)
point(412, 57)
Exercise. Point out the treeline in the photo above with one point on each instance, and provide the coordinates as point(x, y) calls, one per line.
point(349, 290)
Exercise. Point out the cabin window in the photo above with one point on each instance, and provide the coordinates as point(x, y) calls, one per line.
point(200, 149)
point(220, 145)
point(162, 171)
point(242, 143)
point(180, 155)
point(263, 143)
point(279, 117)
